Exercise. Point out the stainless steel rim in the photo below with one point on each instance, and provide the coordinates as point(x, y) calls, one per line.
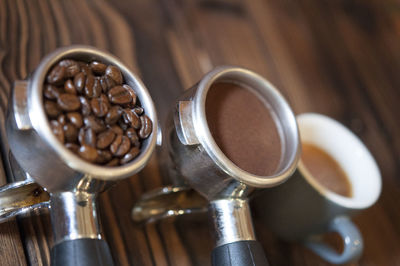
point(41, 124)
point(279, 106)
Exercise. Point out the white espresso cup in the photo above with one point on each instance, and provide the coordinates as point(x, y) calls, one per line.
point(302, 209)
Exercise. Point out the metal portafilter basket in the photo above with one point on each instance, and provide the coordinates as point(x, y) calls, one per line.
point(51, 176)
point(205, 179)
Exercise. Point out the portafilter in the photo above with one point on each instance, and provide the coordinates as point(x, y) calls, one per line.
point(51, 176)
point(205, 178)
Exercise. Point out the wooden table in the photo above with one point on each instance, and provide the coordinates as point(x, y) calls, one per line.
point(339, 58)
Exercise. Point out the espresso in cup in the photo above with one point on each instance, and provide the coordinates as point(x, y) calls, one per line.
point(244, 128)
point(326, 170)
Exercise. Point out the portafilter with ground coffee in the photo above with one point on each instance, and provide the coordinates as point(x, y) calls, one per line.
point(65, 177)
point(229, 134)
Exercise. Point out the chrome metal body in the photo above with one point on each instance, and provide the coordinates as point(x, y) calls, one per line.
point(198, 159)
point(35, 146)
point(193, 160)
point(232, 221)
point(67, 184)
point(74, 216)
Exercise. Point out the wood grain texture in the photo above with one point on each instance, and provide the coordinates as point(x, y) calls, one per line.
point(339, 58)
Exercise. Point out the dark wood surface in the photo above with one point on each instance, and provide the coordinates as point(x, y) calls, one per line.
point(339, 58)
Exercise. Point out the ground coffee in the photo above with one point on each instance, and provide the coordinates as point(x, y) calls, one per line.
point(244, 128)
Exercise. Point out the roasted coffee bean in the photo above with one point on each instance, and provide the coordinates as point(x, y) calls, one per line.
point(103, 84)
point(87, 136)
point(95, 123)
point(138, 110)
point(51, 108)
point(146, 128)
point(71, 67)
point(131, 118)
point(75, 118)
point(113, 162)
point(97, 89)
point(119, 95)
point(57, 130)
point(120, 146)
point(122, 125)
point(117, 129)
point(86, 110)
point(99, 106)
point(115, 74)
point(56, 75)
point(79, 81)
point(89, 91)
point(113, 115)
point(103, 156)
point(68, 102)
point(88, 153)
point(51, 92)
point(85, 69)
point(132, 135)
point(132, 93)
point(110, 82)
point(62, 119)
point(70, 132)
point(72, 147)
point(132, 154)
point(105, 138)
point(69, 87)
point(98, 68)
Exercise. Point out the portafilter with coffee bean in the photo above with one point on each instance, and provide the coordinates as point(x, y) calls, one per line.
point(79, 123)
point(230, 134)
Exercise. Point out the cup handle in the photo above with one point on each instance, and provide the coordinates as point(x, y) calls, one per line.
point(352, 239)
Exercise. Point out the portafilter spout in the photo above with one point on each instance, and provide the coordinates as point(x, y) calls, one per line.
point(68, 185)
point(197, 163)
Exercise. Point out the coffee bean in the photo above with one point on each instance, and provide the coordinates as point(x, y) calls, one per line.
point(95, 123)
point(88, 153)
point(138, 110)
point(113, 115)
point(68, 102)
point(71, 67)
point(87, 136)
point(132, 135)
point(97, 89)
point(51, 92)
point(85, 69)
point(56, 75)
point(89, 86)
point(122, 125)
point(62, 119)
point(99, 106)
point(57, 130)
point(147, 127)
point(72, 147)
point(131, 118)
point(132, 154)
point(98, 68)
point(113, 162)
point(119, 95)
point(110, 82)
point(105, 138)
point(70, 132)
point(117, 129)
point(69, 87)
point(132, 93)
point(86, 110)
point(75, 118)
point(103, 156)
point(115, 74)
point(120, 146)
point(51, 108)
point(103, 84)
point(79, 81)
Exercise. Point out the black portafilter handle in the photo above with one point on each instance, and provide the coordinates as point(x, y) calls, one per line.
point(241, 253)
point(236, 244)
point(81, 252)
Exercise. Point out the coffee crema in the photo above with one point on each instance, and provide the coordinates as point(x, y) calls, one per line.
point(326, 170)
point(243, 128)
